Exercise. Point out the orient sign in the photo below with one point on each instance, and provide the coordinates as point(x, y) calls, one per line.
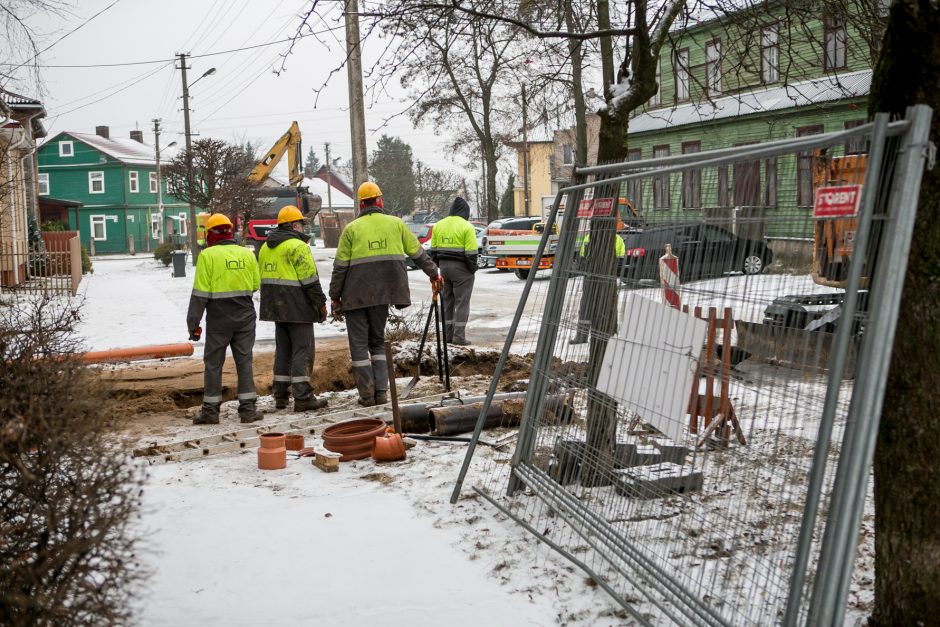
point(837, 202)
point(597, 208)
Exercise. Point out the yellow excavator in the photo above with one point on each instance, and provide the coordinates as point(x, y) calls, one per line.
point(257, 226)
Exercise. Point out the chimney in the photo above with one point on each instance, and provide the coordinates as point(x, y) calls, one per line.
point(137, 136)
point(103, 131)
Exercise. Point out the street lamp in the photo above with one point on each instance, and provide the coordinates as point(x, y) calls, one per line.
point(208, 72)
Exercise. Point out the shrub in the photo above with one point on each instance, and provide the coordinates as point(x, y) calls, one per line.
point(68, 494)
point(164, 252)
point(86, 262)
point(54, 225)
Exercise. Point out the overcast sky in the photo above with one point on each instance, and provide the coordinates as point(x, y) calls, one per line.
point(244, 99)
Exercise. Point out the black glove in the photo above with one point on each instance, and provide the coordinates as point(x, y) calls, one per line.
point(195, 334)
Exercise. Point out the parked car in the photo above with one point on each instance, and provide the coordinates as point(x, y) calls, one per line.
point(704, 251)
point(422, 231)
point(516, 223)
point(482, 261)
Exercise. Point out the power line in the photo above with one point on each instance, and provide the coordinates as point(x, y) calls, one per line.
point(126, 87)
point(195, 56)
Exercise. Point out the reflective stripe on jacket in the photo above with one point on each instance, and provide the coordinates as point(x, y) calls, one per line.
point(290, 285)
point(454, 238)
point(369, 268)
point(226, 277)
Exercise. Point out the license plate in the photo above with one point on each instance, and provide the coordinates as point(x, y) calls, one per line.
point(523, 262)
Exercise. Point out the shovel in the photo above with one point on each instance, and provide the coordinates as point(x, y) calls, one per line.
point(424, 336)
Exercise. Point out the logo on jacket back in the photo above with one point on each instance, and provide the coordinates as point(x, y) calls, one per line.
point(378, 244)
point(447, 239)
point(234, 264)
point(270, 266)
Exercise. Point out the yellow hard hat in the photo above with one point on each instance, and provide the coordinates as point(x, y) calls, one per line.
point(218, 219)
point(369, 190)
point(289, 213)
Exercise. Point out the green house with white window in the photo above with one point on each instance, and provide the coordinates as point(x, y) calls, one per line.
point(755, 76)
point(115, 180)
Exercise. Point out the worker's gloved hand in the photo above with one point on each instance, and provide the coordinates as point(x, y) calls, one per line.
point(437, 284)
point(195, 334)
point(322, 313)
point(336, 310)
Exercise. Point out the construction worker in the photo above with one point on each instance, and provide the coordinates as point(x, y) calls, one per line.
point(454, 250)
point(369, 275)
point(292, 298)
point(588, 285)
point(226, 277)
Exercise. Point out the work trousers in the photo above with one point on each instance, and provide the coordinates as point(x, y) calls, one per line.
point(241, 341)
point(365, 328)
point(293, 359)
point(458, 285)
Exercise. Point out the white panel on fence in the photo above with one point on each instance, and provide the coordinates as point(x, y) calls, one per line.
point(649, 365)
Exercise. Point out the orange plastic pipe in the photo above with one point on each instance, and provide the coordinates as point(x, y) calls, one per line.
point(184, 349)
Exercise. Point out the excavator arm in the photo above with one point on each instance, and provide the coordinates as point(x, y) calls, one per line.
point(289, 143)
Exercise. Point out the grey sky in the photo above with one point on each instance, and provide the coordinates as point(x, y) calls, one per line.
point(243, 99)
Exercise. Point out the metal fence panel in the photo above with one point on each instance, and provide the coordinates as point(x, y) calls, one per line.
point(710, 379)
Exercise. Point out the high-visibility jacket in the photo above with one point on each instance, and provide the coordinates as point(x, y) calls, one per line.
point(226, 277)
point(620, 247)
point(369, 268)
point(290, 284)
point(454, 238)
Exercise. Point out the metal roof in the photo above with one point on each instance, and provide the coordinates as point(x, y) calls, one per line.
point(339, 199)
point(13, 99)
point(813, 91)
point(125, 150)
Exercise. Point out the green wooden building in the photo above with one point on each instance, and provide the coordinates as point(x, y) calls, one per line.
point(752, 77)
point(115, 180)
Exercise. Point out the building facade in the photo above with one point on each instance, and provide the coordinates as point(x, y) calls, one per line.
point(115, 180)
point(20, 128)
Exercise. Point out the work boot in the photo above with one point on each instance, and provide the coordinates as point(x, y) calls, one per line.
point(365, 384)
point(367, 402)
point(250, 415)
point(459, 342)
point(381, 397)
point(209, 415)
point(310, 404)
point(280, 403)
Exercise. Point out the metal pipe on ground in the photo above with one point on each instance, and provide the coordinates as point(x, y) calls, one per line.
point(415, 417)
point(454, 419)
point(158, 351)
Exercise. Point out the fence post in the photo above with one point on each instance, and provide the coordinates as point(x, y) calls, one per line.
point(75, 261)
point(130, 244)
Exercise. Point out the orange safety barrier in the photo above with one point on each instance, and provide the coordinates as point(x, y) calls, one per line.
point(183, 349)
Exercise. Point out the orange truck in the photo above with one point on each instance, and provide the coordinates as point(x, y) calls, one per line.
point(512, 242)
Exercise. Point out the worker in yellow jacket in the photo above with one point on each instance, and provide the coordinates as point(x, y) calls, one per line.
point(454, 250)
point(369, 275)
point(291, 297)
point(226, 277)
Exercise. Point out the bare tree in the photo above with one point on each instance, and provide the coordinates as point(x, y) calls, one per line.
point(219, 180)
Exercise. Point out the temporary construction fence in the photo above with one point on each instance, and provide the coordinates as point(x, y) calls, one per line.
point(711, 467)
point(52, 266)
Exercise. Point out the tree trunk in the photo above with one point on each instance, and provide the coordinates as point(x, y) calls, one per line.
point(906, 467)
point(492, 197)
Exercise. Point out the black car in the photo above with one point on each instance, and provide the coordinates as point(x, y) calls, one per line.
point(704, 251)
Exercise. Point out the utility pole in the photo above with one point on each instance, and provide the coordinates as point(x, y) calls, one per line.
point(156, 145)
point(329, 180)
point(357, 115)
point(525, 153)
point(189, 161)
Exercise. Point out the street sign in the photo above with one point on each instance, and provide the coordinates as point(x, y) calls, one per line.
point(837, 201)
point(597, 208)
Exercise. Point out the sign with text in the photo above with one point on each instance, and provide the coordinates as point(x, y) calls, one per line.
point(837, 201)
point(597, 208)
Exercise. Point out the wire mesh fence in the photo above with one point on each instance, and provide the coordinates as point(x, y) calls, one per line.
point(710, 455)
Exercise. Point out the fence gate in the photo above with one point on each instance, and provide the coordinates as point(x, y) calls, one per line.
point(52, 266)
point(714, 450)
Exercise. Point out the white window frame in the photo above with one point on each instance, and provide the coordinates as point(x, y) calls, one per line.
point(770, 54)
point(153, 182)
point(567, 154)
point(713, 67)
point(183, 222)
point(62, 149)
point(95, 220)
point(134, 181)
point(95, 176)
point(835, 42)
point(42, 184)
point(658, 96)
point(682, 75)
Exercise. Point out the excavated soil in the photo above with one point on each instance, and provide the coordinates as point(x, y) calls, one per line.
point(160, 395)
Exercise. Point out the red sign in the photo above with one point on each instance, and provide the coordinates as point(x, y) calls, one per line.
point(837, 201)
point(597, 208)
